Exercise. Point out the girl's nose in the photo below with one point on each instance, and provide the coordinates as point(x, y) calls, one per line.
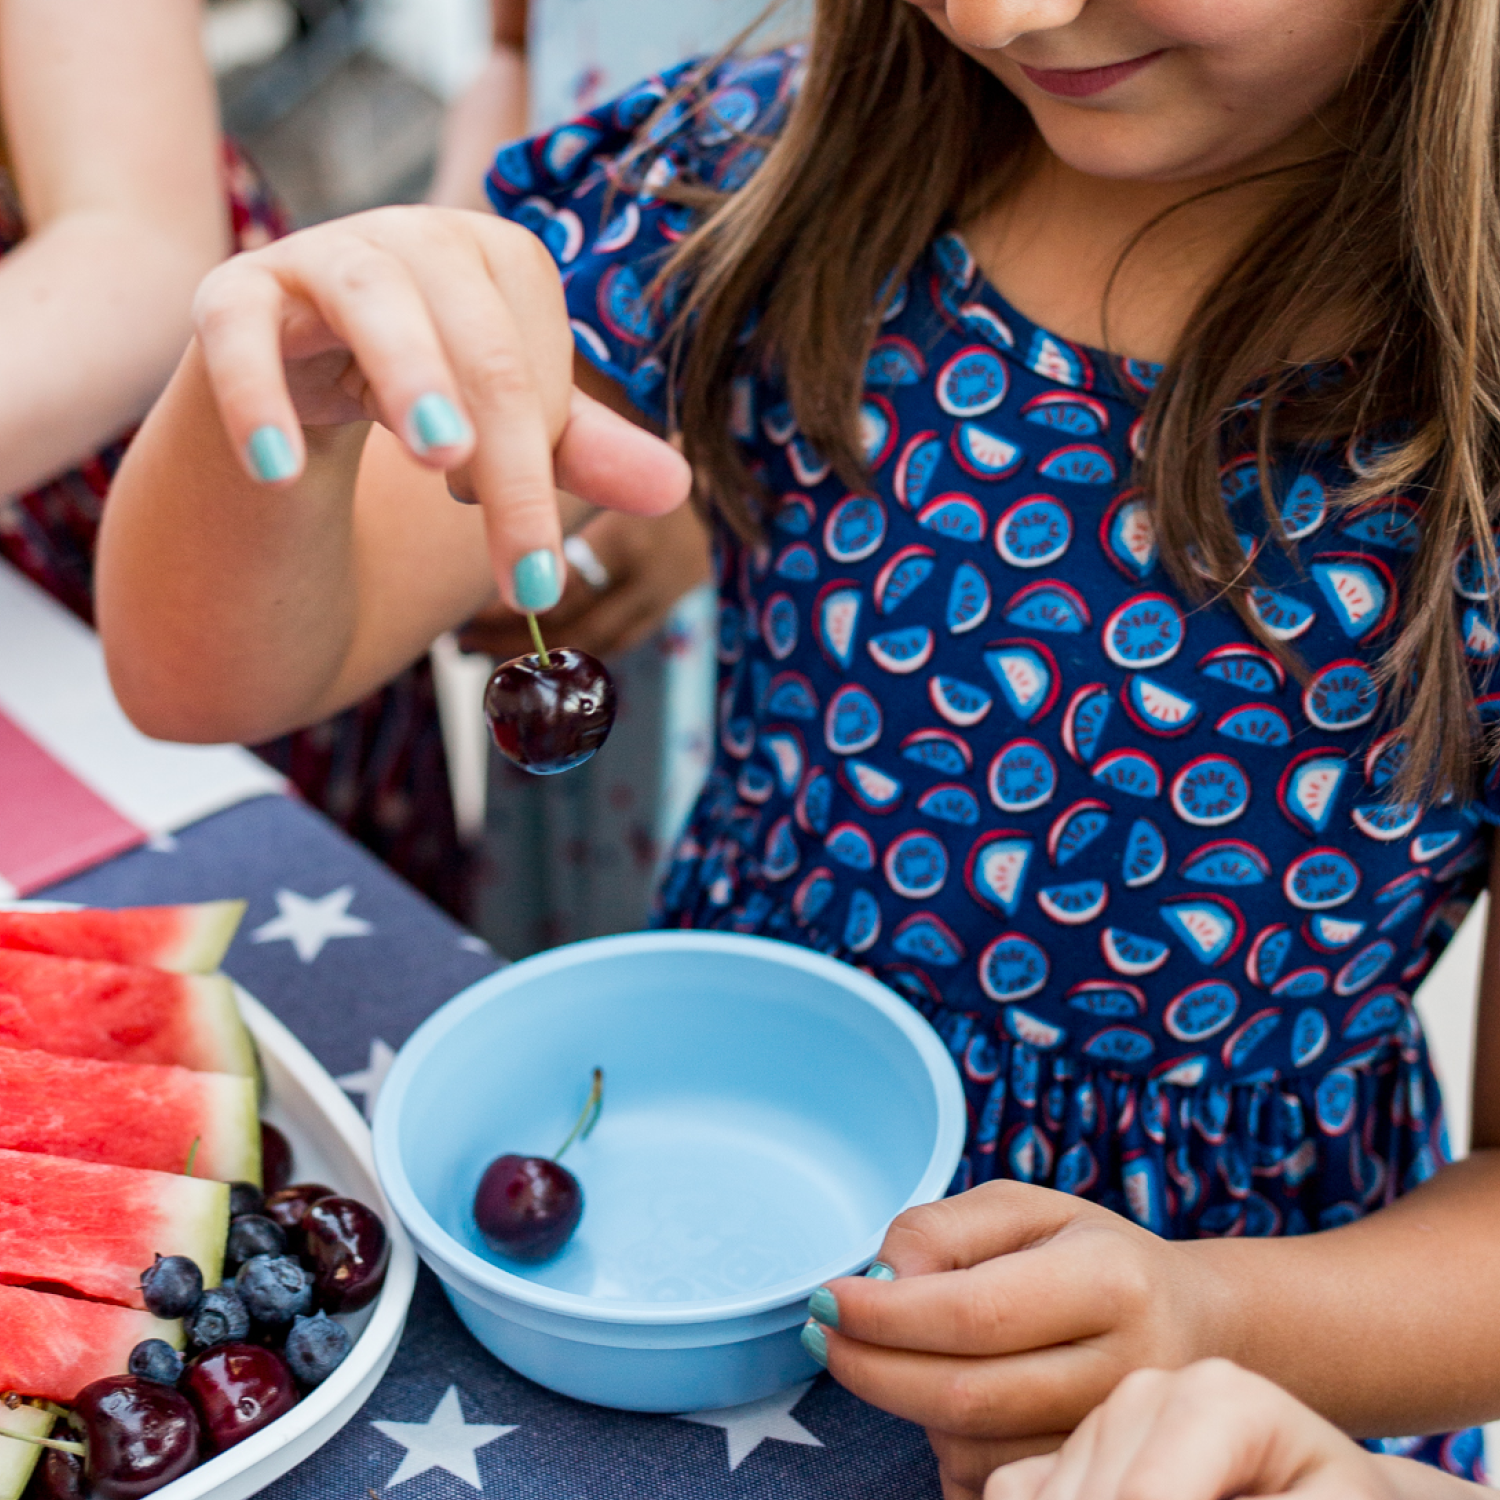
point(992, 24)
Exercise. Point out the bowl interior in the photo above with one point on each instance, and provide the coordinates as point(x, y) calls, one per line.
point(760, 1121)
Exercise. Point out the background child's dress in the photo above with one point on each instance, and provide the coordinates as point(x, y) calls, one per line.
point(1154, 894)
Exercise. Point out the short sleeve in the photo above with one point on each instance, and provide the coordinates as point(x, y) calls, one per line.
point(608, 228)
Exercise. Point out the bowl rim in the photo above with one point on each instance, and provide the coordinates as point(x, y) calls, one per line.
point(458, 1260)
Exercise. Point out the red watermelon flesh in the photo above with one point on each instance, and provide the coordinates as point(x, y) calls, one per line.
point(130, 1115)
point(54, 1346)
point(187, 939)
point(93, 1229)
point(117, 1013)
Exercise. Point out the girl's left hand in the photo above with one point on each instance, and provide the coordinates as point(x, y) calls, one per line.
point(1015, 1312)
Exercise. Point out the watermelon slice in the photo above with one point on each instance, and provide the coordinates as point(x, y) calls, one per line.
point(93, 1229)
point(17, 1460)
point(81, 1008)
point(54, 1346)
point(187, 939)
point(130, 1115)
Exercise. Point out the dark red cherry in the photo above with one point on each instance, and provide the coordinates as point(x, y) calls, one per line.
point(140, 1435)
point(238, 1389)
point(527, 1207)
point(287, 1207)
point(57, 1476)
point(347, 1250)
point(554, 717)
point(275, 1158)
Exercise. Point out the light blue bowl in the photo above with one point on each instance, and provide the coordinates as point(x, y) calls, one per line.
point(767, 1112)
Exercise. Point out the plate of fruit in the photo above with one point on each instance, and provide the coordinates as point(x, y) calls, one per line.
point(201, 1281)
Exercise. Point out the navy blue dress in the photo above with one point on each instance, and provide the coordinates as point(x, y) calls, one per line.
point(1155, 894)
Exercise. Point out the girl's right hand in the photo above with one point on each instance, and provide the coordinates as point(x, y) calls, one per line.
point(450, 329)
point(1206, 1432)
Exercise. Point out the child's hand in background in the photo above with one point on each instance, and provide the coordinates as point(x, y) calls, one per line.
point(1208, 1432)
point(1015, 1312)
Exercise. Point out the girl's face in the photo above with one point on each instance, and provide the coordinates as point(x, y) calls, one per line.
point(1168, 90)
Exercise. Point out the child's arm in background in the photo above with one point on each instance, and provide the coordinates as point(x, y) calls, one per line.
point(234, 608)
point(1209, 1432)
point(1018, 1309)
point(492, 110)
point(112, 131)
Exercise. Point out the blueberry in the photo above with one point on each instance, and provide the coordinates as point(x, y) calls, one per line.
point(274, 1288)
point(219, 1318)
point(316, 1347)
point(172, 1286)
point(251, 1235)
point(156, 1359)
point(245, 1198)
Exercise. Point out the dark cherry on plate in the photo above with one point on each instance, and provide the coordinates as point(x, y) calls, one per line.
point(527, 1207)
point(238, 1389)
point(140, 1436)
point(57, 1476)
point(287, 1206)
point(550, 717)
point(346, 1247)
point(275, 1158)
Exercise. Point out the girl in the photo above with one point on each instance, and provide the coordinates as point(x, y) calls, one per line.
point(1096, 403)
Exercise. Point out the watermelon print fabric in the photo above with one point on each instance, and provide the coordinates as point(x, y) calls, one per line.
point(1154, 893)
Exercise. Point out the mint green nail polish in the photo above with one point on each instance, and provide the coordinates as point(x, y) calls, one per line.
point(537, 581)
point(880, 1272)
point(815, 1341)
point(824, 1306)
point(435, 423)
point(271, 455)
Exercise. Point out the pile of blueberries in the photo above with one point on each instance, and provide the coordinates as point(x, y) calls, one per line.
point(256, 1344)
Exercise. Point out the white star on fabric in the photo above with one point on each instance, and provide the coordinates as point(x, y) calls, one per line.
point(747, 1427)
point(162, 843)
point(368, 1081)
point(307, 923)
point(443, 1441)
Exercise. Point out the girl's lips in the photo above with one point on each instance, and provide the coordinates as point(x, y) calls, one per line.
point(1079, 83)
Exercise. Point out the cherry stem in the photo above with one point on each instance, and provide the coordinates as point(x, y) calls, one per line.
point(592, 1109)
point(541, 645)
point(61, 1444)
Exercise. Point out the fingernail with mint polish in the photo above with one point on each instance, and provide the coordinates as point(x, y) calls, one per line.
point(815, 1341)
point(271, 455)
point(880, 1272)
point(824, 1306)
point(538, 582)
point(436, 423)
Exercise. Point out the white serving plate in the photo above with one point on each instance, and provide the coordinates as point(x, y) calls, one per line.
point(331, 1144)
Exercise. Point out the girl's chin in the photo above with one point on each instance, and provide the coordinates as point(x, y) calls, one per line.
point(1132, 148)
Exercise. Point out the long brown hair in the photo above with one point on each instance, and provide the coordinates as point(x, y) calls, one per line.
point(895, 134)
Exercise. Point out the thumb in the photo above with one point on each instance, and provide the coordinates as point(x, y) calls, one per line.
point(607, 460)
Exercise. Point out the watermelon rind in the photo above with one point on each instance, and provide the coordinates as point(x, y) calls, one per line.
point(190, 939)
point(130, 1114)
point(225, 1040)
point(93, 1228)
point(18, 1459)
point(54, 1346)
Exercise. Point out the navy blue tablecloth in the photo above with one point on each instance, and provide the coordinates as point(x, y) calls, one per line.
point(352, 959)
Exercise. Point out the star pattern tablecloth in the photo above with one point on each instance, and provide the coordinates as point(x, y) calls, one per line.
point(352, 960)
